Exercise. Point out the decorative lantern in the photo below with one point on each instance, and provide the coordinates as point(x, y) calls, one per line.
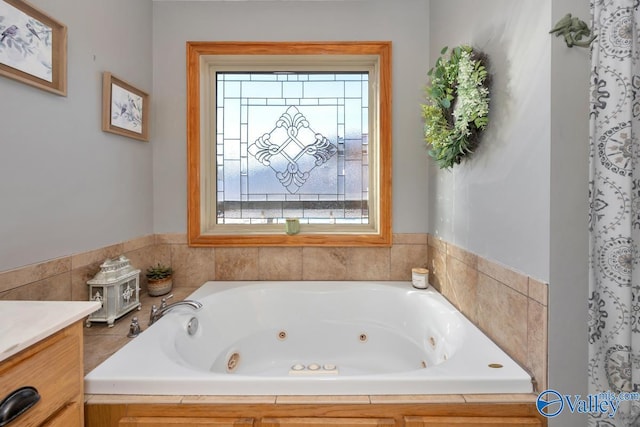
point(117, 288)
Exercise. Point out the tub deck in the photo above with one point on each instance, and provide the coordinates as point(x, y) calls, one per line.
point(415, 342)
point(442, 410)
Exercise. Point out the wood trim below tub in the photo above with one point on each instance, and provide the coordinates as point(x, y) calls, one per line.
point(264, 411)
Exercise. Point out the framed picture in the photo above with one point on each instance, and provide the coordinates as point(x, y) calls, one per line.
point(33, 47)
point(125, 109)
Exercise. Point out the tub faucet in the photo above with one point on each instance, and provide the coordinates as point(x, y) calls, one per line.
point(157, 313)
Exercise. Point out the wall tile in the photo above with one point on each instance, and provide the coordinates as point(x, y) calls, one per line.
point(502, 314)
point(368, 263)
point(437, 242)
point(138, 243)
point(32, 273)
point(21, 293)
point(192, 266)
point(324, 263)
point(511, 278)
point(96, 256)
point(277, 263)
point(462, 255)
point(538, 291)
point(171, 238)
point(161, 254)
point(461, 289)
point(404, 258)
point(437, 265)
point(507, 305)
point(410, 239)
point(52, 288)
point(237, 263)
point(537, 342)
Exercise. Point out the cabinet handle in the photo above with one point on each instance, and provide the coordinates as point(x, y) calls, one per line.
point(17, 403)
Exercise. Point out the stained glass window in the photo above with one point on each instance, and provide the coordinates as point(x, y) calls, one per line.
point(282, 130)
point(292, 144)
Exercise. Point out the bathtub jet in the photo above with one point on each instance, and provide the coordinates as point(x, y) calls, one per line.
point(308, 338)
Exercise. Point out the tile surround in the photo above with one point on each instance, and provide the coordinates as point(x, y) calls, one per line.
point(508, 306)
point(66, 277)
point(324, 263)
point(276, 263)
point(12, 279)
point(237, 263)
point(502, 313)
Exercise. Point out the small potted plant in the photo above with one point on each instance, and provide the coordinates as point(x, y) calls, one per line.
point(159, 280)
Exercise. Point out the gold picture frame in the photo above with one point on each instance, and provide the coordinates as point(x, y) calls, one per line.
point(125, 109)
point(33, 47)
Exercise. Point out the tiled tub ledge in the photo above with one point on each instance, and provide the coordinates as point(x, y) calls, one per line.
point(422, 399)
point(290, 411)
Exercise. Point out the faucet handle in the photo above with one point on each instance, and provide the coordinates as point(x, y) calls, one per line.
point(163, 302)
point(152, 314)
point(134, 328)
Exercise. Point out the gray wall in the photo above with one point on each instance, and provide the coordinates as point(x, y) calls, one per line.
point(496, 204)
point(569, 255)
point(522, 199)
point(407, 27)
point(66, 186)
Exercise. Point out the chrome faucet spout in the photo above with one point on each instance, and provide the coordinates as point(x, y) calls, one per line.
point(157, 313)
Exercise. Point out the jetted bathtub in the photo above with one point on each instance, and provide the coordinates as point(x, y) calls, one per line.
point(310, 338)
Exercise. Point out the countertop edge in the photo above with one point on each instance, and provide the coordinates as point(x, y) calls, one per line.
point(70, 312)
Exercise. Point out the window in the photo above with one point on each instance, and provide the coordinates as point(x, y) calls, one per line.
point(289, 130)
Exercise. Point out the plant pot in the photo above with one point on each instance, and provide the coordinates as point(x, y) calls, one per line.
point(156, 288)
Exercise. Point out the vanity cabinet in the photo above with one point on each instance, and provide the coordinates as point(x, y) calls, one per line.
point(53, 367)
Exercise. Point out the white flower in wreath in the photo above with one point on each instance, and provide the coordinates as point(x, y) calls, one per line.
point(471, 97)
point(458, 105)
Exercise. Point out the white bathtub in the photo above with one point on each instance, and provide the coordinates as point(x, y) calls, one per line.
point(311, 338)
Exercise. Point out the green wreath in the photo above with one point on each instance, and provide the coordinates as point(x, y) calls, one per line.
point(457, 108)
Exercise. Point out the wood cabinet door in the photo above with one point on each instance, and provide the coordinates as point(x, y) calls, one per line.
point(53, 367)
point(184, 422)
point(325, 422)
point(70, 416)
point(471, 422)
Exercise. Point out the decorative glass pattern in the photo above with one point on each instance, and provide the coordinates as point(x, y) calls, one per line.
point(127, 292)
point(292, 149)
point(292, 144)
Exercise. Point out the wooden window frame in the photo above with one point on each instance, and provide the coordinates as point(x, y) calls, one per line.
point(196, 54)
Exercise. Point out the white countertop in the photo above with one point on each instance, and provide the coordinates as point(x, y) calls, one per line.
point(23, 323)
